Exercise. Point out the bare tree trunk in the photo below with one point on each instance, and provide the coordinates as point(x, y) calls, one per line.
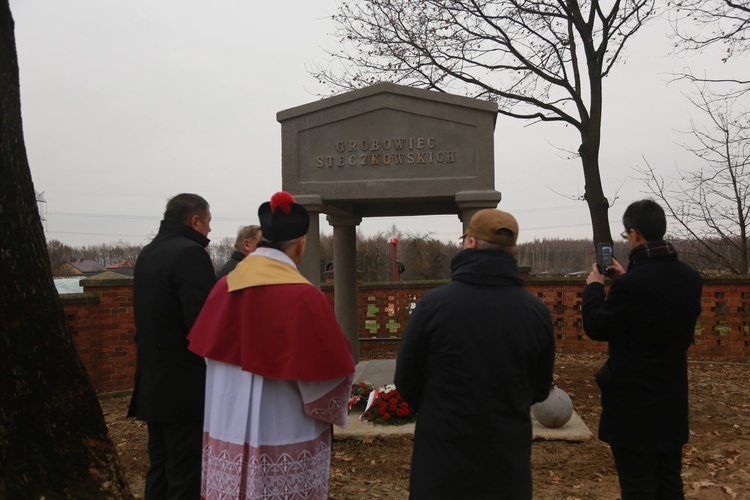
point(590, 129)
point(53, 439)
point(597, 202)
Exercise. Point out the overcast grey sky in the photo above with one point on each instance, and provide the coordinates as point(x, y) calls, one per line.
point(128, 102)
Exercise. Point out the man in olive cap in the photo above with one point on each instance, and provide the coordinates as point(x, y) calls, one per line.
point(278, 370)
point(475, 355)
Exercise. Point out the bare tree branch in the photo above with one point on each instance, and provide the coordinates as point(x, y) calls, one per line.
point(540, 60)
point(700, 24)
point(712, 204)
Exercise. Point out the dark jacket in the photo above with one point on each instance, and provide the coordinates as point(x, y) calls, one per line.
point(229, 266)
point(474, 356)
point(648, 318)
point(172, 278)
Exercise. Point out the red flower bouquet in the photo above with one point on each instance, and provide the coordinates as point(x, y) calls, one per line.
point(360, 391)
point(363, 388)
point(386, 407)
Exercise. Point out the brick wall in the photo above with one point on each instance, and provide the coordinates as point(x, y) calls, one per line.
point(722, 332)
point(101, 319)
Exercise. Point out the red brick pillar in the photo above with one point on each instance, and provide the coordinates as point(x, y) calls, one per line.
point(111, 332)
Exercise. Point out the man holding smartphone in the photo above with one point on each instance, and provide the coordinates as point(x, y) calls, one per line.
point(648, 318)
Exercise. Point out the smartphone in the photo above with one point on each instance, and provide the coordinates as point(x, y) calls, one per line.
point(604, 256)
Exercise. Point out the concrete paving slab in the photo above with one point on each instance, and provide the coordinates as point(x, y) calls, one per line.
point(575, 430)
point(379, 372)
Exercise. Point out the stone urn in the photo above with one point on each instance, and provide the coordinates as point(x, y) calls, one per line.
point(555, 411)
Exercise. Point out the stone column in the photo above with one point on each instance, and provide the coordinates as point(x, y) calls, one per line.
point(310, 265)
point(470, 202)
point(345, 276)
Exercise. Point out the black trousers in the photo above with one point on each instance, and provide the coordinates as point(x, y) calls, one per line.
point(175, 450)
point(647, 475)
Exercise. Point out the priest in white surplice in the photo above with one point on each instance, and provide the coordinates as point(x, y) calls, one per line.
point(279, 370)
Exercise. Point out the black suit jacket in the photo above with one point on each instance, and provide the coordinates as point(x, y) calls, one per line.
point(229, 266)
point(649, 321)
point(172, 278)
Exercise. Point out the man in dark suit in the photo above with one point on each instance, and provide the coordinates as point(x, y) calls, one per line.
point(245, 244)
point(648, 318)
point(172, 278)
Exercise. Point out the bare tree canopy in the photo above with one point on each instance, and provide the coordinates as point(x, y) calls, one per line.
point(700, 24)
point(541, 60)
point(712, 204)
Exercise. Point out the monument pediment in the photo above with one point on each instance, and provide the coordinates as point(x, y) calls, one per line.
point(389, 150)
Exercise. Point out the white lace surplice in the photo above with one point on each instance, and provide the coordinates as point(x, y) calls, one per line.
point(267, 438)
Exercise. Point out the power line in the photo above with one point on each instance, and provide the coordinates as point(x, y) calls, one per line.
point(142, 217)
point(98, 234)
point(158, 217)
point(104, 216)
point(245, 219)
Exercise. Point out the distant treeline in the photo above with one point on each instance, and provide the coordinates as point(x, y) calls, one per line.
point(422, 256)
point(113, 253)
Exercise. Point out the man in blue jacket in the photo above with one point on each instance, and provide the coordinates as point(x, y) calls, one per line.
point(475, 355)
point(172, 278)
point(648, 318)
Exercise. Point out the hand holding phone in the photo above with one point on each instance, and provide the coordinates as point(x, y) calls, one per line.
point(604, 257)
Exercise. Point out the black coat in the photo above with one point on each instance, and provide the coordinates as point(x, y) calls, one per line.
point(474, 356)
point(173, 275)
point(648, 318)
point(229, 265)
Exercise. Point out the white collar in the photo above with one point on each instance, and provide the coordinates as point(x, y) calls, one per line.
point(274, 254)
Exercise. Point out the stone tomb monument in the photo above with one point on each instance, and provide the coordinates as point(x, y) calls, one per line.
point(384, 150)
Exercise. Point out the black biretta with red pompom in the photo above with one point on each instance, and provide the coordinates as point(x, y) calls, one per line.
point(281, 219)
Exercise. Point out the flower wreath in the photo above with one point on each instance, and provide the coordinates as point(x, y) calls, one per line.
point(386, 407)
point(360, 391)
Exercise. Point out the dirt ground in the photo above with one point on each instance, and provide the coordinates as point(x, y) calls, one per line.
point(716, 460)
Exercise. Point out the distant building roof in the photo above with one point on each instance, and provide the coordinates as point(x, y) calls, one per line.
point(85, 265)
point(127, 263)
